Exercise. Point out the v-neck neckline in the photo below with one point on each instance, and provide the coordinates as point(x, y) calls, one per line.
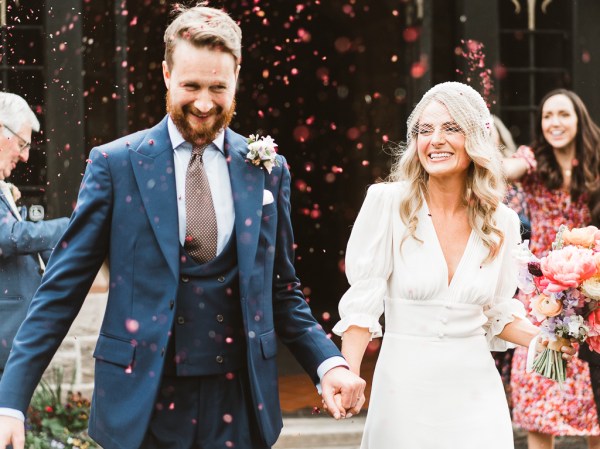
point(448, 283)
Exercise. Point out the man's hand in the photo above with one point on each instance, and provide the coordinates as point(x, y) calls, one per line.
point(343, 392)
point(16, 193)
point(12, 430)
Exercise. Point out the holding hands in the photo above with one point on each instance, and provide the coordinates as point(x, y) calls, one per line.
point(343, 392)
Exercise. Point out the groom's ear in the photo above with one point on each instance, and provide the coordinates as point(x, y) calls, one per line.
point(167, 74)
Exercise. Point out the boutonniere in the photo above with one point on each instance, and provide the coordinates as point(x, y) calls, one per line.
point(261, 152)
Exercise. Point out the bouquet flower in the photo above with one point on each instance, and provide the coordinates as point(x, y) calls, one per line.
point(566, 288)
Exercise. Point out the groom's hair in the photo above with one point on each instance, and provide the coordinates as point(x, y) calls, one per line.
point(203, 26)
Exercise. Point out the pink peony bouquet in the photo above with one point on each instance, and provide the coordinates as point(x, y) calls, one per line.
point(566, 294)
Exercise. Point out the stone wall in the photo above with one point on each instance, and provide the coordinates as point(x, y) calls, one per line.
point(74, 356)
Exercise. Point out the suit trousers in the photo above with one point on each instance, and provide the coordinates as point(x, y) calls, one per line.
point(204, 412)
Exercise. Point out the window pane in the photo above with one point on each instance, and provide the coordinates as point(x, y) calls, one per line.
point(27, 83)
point(25, 47)
point(28, 12)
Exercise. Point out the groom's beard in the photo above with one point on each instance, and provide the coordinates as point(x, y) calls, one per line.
point(199, 134)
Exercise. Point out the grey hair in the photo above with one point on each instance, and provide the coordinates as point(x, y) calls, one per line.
point(203, 26)
point(15, 113)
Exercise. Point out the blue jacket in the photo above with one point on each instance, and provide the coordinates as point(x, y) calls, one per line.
point(20, 244)
point(127, 210)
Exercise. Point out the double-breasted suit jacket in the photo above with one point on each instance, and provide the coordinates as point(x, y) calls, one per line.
point(127, 211)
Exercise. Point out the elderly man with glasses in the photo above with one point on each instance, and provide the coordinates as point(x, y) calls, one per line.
point(24, 245)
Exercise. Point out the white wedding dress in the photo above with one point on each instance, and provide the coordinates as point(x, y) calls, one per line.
point(435, 384)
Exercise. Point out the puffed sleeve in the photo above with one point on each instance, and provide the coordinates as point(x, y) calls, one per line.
point(504, 308)
point(369, 261)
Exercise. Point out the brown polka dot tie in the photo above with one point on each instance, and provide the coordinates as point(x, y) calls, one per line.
point(201, 221)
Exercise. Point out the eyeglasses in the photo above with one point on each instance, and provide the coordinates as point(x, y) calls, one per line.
point(24, 145)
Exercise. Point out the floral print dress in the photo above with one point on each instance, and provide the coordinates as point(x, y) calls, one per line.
point(540, 404)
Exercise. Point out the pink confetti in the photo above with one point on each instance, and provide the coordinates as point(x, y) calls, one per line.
point(418, 69)
point(410, 34)
point(132, 325)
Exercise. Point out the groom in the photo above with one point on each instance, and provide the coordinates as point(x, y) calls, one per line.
point(200, 249)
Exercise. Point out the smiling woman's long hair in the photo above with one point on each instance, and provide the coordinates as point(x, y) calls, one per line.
point(585, 179)
point(485, 186)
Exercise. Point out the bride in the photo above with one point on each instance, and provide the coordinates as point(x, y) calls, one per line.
point(433, 248)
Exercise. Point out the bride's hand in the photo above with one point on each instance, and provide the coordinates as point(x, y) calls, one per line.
point(354, 410)
point(563, 345)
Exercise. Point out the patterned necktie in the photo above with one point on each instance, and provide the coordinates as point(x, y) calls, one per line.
point(201, 221)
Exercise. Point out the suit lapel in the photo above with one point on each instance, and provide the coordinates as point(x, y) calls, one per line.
point(6, 201)
point(247, 185)
point(154, 171)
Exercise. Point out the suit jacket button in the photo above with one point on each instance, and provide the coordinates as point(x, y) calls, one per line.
point(185, 279)
point(180, 320)
point(220, 318)
point(221, 279)
point(219, 359)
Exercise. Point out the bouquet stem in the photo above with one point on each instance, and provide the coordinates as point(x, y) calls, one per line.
point(550, 363)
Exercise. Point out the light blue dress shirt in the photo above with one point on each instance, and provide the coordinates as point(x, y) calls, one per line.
point(215, 166)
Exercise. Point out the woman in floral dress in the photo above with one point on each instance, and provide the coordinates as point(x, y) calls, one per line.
point(559, 177)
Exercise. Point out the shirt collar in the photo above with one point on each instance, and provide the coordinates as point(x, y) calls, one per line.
point(178, 140)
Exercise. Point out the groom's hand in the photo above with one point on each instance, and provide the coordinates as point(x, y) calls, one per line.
point(12, 430)
point(342, 391)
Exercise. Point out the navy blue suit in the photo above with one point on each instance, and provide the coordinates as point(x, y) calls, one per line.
point(127, 210)
point(20, 275)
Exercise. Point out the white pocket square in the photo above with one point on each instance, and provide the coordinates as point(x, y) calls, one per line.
point(267, 197)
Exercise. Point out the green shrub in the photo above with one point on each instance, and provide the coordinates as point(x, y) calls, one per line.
point(56, 424)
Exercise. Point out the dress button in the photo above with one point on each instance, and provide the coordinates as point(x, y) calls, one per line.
point(180, 320)
point(219, 359)
point(441, 335)
point(220, 318)
point(185, 279)
point(444, 320)
point(221, 279)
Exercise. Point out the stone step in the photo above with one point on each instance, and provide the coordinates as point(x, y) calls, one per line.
point(327, 447)
point(321, 432)
point(326, 433)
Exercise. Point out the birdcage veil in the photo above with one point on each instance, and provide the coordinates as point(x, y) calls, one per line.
point(465, 106)
point(485, 186)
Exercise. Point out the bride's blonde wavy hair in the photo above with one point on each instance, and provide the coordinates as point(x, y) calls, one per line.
point(485, 186)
